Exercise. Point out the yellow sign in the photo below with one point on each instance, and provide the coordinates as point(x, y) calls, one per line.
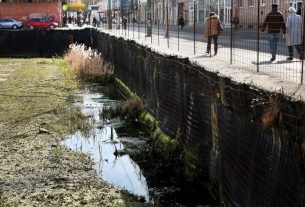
point(64, 7)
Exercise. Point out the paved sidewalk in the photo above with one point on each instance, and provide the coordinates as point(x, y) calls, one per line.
point(280, 76)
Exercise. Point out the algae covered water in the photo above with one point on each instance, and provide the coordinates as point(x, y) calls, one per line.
point(104, 145)
point(114, 146)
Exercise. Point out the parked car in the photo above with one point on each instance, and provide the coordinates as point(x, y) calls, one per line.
point(40, 23)
point(10, 24)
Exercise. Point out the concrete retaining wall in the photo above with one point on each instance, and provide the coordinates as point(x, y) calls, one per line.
point(228, 149)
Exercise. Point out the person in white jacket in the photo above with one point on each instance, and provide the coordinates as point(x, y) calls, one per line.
point(294, 33)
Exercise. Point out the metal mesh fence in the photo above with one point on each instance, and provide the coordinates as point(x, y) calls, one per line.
point(220, 123)
point(241, 43)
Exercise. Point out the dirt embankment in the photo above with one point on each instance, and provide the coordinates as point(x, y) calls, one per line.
point(35, 170)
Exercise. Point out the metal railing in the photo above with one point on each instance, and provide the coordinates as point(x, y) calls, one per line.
point(241, 43)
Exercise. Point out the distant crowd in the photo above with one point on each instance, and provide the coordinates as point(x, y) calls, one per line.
point(81, 20)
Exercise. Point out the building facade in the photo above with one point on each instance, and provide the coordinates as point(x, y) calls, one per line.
point(250, 12)
point(253, 12)
point(23, 10)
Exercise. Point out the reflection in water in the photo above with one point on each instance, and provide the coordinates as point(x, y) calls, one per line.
point(101, 143)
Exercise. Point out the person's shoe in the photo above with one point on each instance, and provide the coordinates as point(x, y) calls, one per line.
point(272, 59)
point(207, 52)
point(290, 58)
point(215, 53)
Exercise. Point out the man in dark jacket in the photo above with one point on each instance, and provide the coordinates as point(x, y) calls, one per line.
point(124, 22)
point(275, 22)
point(181, 22)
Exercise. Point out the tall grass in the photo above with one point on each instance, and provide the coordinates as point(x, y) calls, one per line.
point(272, 115)
point(85, 61)
point(130, 109)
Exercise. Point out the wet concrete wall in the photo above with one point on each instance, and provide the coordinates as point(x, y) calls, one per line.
point(243, 143)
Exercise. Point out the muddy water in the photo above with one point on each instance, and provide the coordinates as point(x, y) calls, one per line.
point(103, 144)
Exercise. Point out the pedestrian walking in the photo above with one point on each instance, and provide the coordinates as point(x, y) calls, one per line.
point(65, 19)
point(124, 22)
point(94, 22)
point(294, 32)
point(212, 29)
point(181, 22)
point(235, 22)
point(275, 22)
point(78, 20)
point(69, 19)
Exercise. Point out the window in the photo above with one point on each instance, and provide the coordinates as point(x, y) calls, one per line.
point(36, 20)
point(299, 5)
point(240, 3)
point(263, 2)
point(250, 2)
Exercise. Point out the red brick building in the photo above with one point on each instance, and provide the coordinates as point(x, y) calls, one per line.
point(24, 9)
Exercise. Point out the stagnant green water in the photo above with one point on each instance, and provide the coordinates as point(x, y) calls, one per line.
point(102, 141)
point(107, 143)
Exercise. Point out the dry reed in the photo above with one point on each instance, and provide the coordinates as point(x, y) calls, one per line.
point(132, 105)
point(130, 109)
point(272, 113)
point(86, 61)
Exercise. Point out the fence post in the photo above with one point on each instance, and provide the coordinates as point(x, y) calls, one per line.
point(178, 37)
point(167, 24)
point(152, 17)
point(128, 21)
point(231, 38)
point(194, 5)
point(158, 25)
point(133, 21)
point(258, 36)
point(108, 14)
point(138, 17)
point(303, 47)
point(145, 33)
